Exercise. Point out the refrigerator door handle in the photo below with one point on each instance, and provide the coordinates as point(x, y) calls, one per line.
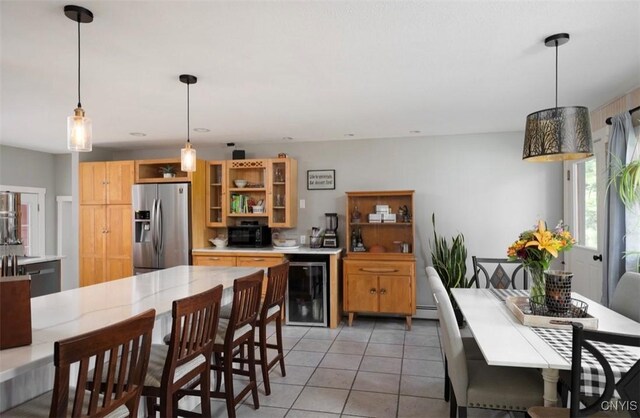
point(154, 233)
point(160, 231)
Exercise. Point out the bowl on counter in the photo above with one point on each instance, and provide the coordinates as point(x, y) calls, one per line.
point(240, 183)
point(285, 242)
point(219, 242)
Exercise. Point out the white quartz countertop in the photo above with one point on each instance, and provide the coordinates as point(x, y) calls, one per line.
point(73, 312)
point(279, 250)
point(38, 259)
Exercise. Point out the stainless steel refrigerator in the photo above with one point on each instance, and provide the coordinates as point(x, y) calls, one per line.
point(161, 226)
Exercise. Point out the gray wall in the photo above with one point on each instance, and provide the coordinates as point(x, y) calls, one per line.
point(475, 184)
point(62, 163)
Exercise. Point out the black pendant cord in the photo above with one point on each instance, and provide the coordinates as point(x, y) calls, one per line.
point(188, 114)
point(556, 75)
point(79, 105)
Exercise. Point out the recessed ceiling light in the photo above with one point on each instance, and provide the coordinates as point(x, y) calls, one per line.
point(287, 138)
point(201, 130)
point(349, 134)
point(137, 134)
point(414, 132)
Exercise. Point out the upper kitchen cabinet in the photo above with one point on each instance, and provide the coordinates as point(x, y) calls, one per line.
point(263, 189)
point(106, 182)
point(283, 192)
point(166, 170)
point(216, 194)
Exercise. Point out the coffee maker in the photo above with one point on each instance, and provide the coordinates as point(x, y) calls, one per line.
point(330, 239)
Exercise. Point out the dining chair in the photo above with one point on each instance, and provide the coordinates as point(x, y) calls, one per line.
point(175, 370)
point(476, 384)
point(505, 273)
point(470, 346)
point(105, 348)
point(596, 343)
point(231, 335)
point(626, 296)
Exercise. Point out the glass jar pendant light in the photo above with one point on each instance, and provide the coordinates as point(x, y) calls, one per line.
point(188, 154)
point(559, 133)
point(79, 130)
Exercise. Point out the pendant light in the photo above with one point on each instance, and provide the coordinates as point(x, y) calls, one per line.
point(188, 154)
point(78, 126)
point(559, 133)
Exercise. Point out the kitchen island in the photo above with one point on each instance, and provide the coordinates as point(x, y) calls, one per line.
point(27, 371)
point(269, 256)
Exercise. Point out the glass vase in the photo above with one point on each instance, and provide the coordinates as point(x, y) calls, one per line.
point(536, 282)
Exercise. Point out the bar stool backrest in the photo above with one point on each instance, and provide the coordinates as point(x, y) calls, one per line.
point(246, 301)
point(278, 278)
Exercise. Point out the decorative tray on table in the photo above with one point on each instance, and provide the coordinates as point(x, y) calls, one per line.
point(536, 315)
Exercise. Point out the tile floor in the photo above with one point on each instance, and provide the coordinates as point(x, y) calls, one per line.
point(372, 369)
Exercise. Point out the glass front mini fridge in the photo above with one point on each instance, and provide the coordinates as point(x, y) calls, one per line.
point(307, 294)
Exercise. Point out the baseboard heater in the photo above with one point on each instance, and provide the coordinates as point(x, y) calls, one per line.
point(426, 312)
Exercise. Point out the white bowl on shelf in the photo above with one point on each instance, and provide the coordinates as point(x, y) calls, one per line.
point(257, 209)
point(240, 183)
point(219, 242)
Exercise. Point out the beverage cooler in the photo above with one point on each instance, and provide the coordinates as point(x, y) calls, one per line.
point(306, 300)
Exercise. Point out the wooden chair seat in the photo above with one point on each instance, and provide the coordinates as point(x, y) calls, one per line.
point(157, 361)
point(39, 407)
point(222, 332)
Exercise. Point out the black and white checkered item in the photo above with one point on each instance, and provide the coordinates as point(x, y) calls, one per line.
point(503, 294)
point(592, 379)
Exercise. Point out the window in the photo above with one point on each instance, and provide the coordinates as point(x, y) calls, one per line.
point(587, 203)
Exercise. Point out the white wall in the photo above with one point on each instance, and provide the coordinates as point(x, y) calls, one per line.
point(476, 184)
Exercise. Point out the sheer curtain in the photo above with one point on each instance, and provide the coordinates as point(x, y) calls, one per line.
point(622, 225)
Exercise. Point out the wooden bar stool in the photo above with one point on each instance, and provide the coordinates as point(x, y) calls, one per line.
point(175, 370)
point(233, 333)
point(121, 355)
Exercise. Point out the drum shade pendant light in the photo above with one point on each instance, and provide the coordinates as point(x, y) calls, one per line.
point(78, 126)
point(188, 154)
point(559, 133)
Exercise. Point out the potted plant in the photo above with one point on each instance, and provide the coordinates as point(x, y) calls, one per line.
point(168, 171)
point(450, 261)
point(625, 178)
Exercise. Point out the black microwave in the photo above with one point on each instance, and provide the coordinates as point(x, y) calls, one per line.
point(249, 236)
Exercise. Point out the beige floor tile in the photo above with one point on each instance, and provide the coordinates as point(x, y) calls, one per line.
point(413, 407)
point(387, 336)
point(263, 411)
point(391, 324)
point(282, 396)
point(341, 361)
point(384, 350)
point(296, 375)
point(423, 368)
point(422, 340)
point(423, 386)
point(417, 352)
point(322, 334)
point(322, 399)
point(298, 413)
point(349, 334)
point(381, 364)
point(377, 382)
point(320, 346)
point(293, 331)
point(287, 342)
point(348, 347)
point(370, 404)
point(303, 358)
point(332, 378)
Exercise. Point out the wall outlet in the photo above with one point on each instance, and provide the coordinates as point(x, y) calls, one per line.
point(303, 239)
point(302, 203)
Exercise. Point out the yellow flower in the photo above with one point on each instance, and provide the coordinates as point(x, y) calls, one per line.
point(544, 240)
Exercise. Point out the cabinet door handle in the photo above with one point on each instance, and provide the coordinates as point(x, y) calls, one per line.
point(372, 291)
point(214, 258)
point(383, 291)
point(378, 270)
point(258, 259)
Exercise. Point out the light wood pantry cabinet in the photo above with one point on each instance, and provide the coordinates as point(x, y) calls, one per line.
point(106, 182)
point(105, 243)
point(379, 269)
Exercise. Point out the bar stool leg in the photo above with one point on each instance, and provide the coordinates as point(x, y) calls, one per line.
point(252, 372)
point(264, 360)
point(205, 395)
point(228, 384)
point(279, 343)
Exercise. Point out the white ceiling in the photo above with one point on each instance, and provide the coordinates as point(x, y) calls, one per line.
point(310, 70)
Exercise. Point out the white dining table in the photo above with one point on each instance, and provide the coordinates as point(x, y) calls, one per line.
point(26, 371)
point(504, 341)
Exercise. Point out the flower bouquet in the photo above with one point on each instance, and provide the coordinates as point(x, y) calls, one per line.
point(536, 248)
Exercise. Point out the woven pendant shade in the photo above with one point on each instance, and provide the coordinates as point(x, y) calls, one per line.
point(556, 134)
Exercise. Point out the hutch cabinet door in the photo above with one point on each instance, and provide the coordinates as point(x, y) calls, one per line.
point(395, 294)
point(362, 293)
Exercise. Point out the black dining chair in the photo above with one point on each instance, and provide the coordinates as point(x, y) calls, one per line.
point(627, 386)
point(505, 273)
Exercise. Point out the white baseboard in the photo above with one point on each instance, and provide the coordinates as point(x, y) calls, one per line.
point(426, 312)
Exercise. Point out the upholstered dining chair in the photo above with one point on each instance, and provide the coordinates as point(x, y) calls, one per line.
point(498, 273)
point(105, 348)
point(626, 296)
point(627, 387)
point(175, 370)
point(470, 346)
point(476, 384)
point(232, 334)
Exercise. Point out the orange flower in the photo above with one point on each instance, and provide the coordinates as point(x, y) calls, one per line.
point(545, 240)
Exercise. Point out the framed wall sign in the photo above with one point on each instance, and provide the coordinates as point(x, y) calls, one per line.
point(321, 179)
